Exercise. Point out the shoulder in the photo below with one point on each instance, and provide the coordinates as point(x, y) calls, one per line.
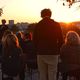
point(64, 47)
point(70, 48)
point(77, 47)
point(0, 25)
point(17, 50)
point(56, 23)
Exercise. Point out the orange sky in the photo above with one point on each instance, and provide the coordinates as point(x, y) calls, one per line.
point(29, 10)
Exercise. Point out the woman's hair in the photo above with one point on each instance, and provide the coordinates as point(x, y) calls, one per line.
point(46, 12)
point(5, 34)
point(3, 21)
point(72, 37)
point(19, 34)
point(11, 41)
point(28, 35)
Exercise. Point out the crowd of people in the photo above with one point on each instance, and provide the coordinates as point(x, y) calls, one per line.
point(42, 50)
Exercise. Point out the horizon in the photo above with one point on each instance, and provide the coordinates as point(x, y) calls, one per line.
point(7, 22)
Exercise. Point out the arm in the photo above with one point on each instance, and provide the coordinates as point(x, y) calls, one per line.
point(60, 36)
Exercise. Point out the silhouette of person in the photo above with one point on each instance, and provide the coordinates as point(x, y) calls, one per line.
point(3, 28)
point(70, 56)
point(3, 39)
point(29, 50)
point(12, 60)
point(47, 39)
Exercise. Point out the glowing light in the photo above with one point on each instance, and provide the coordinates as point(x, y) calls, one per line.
point(29, 10)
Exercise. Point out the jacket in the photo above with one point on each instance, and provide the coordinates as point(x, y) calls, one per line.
point(47, 37)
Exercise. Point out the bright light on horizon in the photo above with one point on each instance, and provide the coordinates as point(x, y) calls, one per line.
point(29, 10)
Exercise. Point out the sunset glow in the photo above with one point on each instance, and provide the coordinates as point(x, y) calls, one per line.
point(29, 10)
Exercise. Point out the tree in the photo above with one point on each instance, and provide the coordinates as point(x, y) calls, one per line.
point(1, 11)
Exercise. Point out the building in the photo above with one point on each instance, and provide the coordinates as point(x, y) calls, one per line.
point(11, 23)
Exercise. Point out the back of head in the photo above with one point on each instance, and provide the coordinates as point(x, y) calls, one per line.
point(11, 41)
point(3, 21)
point(72, 38)
point(5, 34)
point(19, 34)
point(46, 13)
point(28, 35)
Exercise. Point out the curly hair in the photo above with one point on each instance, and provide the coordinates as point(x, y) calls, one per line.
point(46, 12)
point(72, 37)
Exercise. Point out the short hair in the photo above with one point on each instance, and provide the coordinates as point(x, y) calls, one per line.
point(3, 21)
point(72, 37)
point(46, 12)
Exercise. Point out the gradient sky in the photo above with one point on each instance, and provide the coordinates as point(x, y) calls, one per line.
point(29, 10)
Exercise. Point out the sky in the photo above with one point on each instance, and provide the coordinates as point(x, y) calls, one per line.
point(29, 10)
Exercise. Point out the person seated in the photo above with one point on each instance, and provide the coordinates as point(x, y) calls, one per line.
point(70, 56)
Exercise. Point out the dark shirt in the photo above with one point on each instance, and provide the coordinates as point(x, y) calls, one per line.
point(12, 62)
point(30, 54)
point(47, 37)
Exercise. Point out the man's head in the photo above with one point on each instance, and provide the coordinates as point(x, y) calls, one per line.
point(3, 21)
point(46, 13)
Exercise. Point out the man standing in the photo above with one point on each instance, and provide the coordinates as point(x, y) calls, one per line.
point(3, 28)
point(47, 38)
